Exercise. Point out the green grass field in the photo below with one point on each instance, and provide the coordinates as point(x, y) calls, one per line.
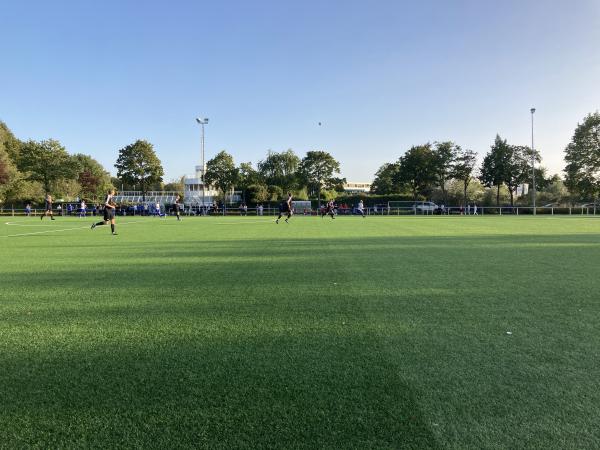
point(239, 333)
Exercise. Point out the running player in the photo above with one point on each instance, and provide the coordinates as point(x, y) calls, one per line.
point(110, 208)
point(330, 209)
point(176, 206)
point(48, 211)
point(285, 208)
point(361, 208)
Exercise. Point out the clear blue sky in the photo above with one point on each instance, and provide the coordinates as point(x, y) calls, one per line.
point(381, 76)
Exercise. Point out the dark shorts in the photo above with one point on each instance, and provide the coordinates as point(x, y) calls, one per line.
point(109, 213)
point(284, 209)
point(48, 206)
point(176, 208)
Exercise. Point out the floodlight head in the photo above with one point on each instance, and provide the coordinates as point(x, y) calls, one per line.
point(532, 110)
point(202, 121)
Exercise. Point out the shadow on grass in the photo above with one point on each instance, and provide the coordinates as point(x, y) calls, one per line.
point(247, 389)
point(308, 264)
point(307, 392)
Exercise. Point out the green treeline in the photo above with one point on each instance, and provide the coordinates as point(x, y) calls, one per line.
point(443, 172)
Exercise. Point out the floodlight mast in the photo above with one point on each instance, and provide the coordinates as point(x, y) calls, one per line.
point(202, 122)
point(532, 110)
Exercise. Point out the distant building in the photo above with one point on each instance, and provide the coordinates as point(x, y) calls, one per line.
point(352, 187)
point(522, 189)
point(195, 191)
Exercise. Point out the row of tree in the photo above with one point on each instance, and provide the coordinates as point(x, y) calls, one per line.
point(436, 171)
point(313, 176)
point(431, 170)
point(582, 155)
point(29, 169)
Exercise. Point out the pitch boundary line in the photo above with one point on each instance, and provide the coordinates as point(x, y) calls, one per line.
point(54, 231)
point(15, 224)
point(243, 222)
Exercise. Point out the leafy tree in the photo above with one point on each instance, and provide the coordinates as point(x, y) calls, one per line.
point(68, 189)
point(329, 194)
point(517, 168)
point(317, 170)
point(542, 180)
point(491, 198)
point(8, 174)
point(385, 180)
point(417, 169)
point(280, 169)
point(335, 183)
point(20, 189)
point(138, 165)
point(93, 178)
point(221, 172)
point(457, 195)
point(47, 162)
point(176, 186)
point(464, 165)
point(493, 167)
point(258, 193)
point(300, 194)
point(247, 177)
point(275, 193)
point(444, 156)
point(9, 143)
point(582, 156)
point(554, 191)
point(6, 167)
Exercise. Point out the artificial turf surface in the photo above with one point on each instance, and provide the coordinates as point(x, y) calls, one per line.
point(238, 333)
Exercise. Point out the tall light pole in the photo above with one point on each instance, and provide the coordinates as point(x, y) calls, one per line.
point(202, 122)
point(532, 110)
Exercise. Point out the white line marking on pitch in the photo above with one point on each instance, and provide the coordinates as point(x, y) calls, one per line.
point(243, 222)
point(54, 231)
point(15, 224)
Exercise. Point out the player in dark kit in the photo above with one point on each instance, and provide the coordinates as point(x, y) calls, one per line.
point(48, 211)
point(176, 206)
point(285, 208)
point(329, 209)
point(110, 208)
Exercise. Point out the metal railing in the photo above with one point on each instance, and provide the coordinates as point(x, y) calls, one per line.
point(371, 211)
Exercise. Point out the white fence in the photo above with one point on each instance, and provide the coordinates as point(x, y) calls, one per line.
point(371, 211)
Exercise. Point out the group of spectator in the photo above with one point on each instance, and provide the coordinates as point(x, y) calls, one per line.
point(81, 209)
point(70, 209)
point(469, 210)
